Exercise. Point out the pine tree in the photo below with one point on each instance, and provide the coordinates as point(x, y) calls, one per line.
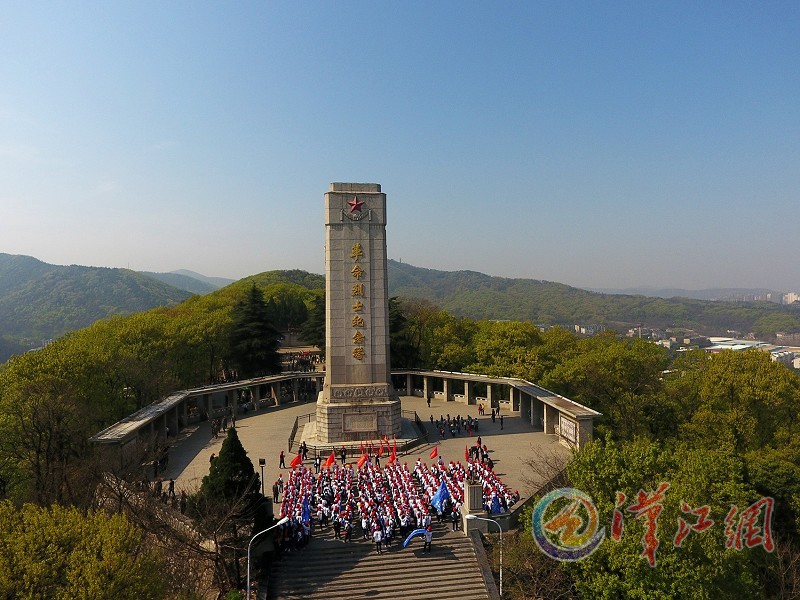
point(232, 474)
point(225, 508)
point(253, 339)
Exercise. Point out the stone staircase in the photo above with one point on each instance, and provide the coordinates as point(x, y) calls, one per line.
point(330, 569)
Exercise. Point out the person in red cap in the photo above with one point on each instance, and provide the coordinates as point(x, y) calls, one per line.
point(428, 539)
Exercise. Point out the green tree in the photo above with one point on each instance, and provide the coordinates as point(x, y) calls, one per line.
point(313, 330)
point(741, 398)
point(232, 474)
point(286, 306)
point(702, 567)
point(404, 354)
point(440, 340)
point(46, 437)
point(505, 348)
point(449, 342)
point(61, 553)
point(776, 473)
point(619, 378)
point(557, 345)
point(253, 339)
point(226, 507)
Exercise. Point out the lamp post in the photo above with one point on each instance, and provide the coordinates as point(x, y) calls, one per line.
point(469, 518)
point(261, 463)
point(278, 524)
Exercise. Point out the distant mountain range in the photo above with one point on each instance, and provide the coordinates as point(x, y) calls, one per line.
point(39, 301)
point(479, 296)
point(716, 294)
point(189, 281)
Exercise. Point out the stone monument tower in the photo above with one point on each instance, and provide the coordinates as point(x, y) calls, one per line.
point(358, 401)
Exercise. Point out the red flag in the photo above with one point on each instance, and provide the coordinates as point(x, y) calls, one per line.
point(362, 447)
point(297, 461)
point(393, 455)
point(329, 462)
point(466, 453)
point(361, 461)
point(394, 450)
point(434, 452)
point(380, 450)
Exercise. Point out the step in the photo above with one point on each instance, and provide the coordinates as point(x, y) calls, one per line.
point(329, 569)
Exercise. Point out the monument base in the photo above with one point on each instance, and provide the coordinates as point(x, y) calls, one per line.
point(358, 421)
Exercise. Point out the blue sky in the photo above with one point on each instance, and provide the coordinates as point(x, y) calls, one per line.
point(594, 144)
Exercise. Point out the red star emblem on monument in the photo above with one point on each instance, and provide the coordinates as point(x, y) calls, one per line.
point(355, 205)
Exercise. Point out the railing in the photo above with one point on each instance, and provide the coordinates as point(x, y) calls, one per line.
point(291, 435)
point(423, 431)
point(301, 420)
point(354, 449)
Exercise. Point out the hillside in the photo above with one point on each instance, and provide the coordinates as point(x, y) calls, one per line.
point(479, 296)
point(215, 282)
point(187, 283)
point(732, 294)
point(39, 301)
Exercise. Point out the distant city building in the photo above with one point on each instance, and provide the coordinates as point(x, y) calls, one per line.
point(589, 329)
point(787, 339)
point(699, 341)
point(756, 297)
point(785, 357)
point(779, 354)
point(718, 344)
point(646, 333)
point(791, 298)
point(688, 341)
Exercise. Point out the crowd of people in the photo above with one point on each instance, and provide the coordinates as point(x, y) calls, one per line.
point(382, 503)
point(497, 497)
point(220, 425)
point(455, 425)
point(371, 498)
point(301, 361)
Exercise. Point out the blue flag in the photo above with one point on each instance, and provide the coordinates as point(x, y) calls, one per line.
point(306, 513)
point(411, 535)
point(440, 496)
point(496, 508)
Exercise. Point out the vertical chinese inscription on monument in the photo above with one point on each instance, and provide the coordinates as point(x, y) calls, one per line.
point(356, 253)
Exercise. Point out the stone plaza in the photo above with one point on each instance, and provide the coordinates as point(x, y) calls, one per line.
point(264, 435)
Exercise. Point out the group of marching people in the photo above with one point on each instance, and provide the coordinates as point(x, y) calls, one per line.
point(383, 502)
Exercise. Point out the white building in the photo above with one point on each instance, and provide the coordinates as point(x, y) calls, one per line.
point(791, 298)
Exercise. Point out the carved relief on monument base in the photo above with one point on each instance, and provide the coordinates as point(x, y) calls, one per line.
point(365, 393)
point(359, 422)
point(352, 421)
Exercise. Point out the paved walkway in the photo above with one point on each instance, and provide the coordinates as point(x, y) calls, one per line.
point(264, 434)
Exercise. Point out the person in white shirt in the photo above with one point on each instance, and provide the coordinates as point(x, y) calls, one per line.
point(428, 539)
